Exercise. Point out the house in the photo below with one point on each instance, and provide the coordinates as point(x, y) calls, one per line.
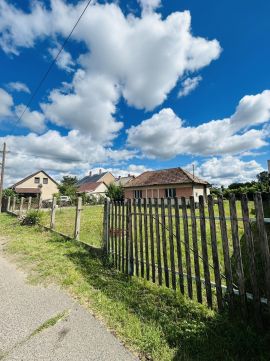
point(123, 180)
point(38, 184)
point(95, 184)
point(166, 183)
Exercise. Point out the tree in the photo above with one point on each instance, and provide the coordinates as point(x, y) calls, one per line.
point(68, 186)
point(263, 177)
point(115, 193)
point(8, 193)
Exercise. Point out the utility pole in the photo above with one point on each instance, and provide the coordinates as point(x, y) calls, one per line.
point(2, 173)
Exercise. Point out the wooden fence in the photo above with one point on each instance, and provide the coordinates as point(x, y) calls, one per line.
point(215, 252)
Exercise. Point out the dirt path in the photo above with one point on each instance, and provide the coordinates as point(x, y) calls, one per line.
point(38, 323)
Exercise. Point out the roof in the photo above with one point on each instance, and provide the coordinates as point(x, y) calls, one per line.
point(123, 180)
point(89, 187)
point(165, 176)
point(27, 190)
point(91, 178)
point(32, 175)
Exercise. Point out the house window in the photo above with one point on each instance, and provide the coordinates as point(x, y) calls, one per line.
point(138, 194)
point(45, 180)
point(170, 193)
point(37, 180)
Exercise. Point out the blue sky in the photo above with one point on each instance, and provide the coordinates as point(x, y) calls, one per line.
point(137, 87)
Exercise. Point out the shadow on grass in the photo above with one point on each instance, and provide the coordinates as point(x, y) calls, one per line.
point(194, 331)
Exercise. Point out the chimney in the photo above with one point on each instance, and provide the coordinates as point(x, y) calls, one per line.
point(99, 171)
point(90, 173)
point(129, 175)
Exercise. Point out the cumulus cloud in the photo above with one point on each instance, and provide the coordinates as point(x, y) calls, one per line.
point(188, 85)
point(6, 104)
point(32, 120)
point(165, 135)
point(19, 87)
point(71, 154)
point(64, 60)
point(227, 170)
point(149, 6)
point(139, 58)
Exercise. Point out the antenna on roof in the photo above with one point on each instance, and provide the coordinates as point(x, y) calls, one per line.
point(193, 170)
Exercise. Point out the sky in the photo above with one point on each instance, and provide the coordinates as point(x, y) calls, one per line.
point(141, 85)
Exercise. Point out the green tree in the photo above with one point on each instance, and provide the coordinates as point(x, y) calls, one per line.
point(115, 193)
point(8, 193)
point(68, 186)
point(263, 177)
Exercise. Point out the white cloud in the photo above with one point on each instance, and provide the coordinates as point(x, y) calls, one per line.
point(132, 169)
point(149, 6)
point(188, 85)
point(70, 154)
point(19, 87)
point(64, 60)
point(227, 170)
point(165, 135)
point(32, 120)
point(6, 104)
point(139, 58)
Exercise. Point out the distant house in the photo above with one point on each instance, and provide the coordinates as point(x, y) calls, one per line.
point(166, 183)
point(38, 184)
point(123, 180)
point(95, 184)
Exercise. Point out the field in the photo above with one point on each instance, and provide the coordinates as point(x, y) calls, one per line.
point(154, 322)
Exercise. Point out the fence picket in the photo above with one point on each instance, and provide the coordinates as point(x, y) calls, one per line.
point(146, 238)
point(251, 258)
point(205, 253)
point(264, 246)
point(53, 210)
point(129, 240)
point(187, 247)
point(29, 203)
point(135, 238)
point(119, 235)
point(164, 243)
point(195, 249)
point(213, 233)
point(123, 236)
point(178, 245)
point(141, 237)
point(152, 244)
point(115, 234)
point(78, 219)
point(237, 253)
point(171, 242)
point(158, 242)
point(112, 231)
point(226, 252)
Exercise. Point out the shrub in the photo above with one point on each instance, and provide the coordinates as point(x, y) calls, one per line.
point(32, 218)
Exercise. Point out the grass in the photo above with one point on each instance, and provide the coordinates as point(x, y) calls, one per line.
point(156, 323)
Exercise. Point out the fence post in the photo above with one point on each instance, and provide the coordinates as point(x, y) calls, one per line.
point(29, 203)
point(78, 218)
point(21, 206)
point(13, 204)
point(129, 241)
point(39, 202)
point(52, 224)
point(8, 204)
point(105, 225)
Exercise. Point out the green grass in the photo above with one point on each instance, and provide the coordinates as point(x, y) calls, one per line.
point(155, 322)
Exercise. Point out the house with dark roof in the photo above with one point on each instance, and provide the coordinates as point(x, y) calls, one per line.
point(38, 184)
point(95, 184)
point(166, 183)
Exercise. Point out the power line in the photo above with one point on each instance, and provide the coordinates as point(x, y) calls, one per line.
point(53, 62)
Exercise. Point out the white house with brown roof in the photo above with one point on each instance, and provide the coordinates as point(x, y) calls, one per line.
point(36, 184)
point(167, 183)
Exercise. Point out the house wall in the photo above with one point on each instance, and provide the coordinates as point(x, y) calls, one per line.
point(47, 190)
point(107, 178)
point(159, 191)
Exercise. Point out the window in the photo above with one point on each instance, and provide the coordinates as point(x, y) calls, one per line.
point(170, 192)
point(37, 180)
point(138, 194)
point(45, 180)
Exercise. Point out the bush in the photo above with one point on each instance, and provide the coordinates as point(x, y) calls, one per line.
point(32, 218)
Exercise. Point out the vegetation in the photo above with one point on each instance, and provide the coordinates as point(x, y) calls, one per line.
point(32, 218)
point(8, 193)
point(115, 192)
point(261, 185)
point(68, 186)
point(152, 321)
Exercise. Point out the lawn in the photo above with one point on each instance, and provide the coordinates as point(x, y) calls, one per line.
point(156, 323)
